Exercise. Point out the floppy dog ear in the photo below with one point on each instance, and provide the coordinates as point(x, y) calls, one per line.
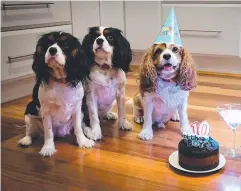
point(87, 44)
point(147, 73)
point(187, 76)
point(77, 65)
point(39, 67)
point(122, 55)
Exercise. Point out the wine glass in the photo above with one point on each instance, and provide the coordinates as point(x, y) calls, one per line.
point(231, 114)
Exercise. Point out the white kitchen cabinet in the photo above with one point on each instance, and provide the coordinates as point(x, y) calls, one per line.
point(143, 22)
point(18, 48)
point(211, 30)
point(19, 14)
point(112, 14)
point(85, 14)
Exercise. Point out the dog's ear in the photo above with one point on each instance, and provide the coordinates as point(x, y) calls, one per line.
point(147, 73)
point(39, 67)
point(122, 55)
point(77, 65)
point(187, 76)
point(87, 44)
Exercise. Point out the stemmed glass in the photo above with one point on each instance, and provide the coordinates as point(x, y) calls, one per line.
point(231, 114)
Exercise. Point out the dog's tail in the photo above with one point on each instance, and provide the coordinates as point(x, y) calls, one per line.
point(129, 106)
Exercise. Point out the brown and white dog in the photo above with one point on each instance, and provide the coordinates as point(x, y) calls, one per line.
point(167, 73)
point(110, 55)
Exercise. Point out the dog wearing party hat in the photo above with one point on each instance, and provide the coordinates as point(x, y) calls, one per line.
point(167, 74)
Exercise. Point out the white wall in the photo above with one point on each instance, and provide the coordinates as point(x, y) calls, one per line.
point(143, 22)
point(112, 14)
point(84, 15)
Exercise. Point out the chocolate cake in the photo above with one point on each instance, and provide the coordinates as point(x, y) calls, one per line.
point(196, 158)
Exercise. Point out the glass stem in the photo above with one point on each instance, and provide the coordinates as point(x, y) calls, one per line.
point(234, 139)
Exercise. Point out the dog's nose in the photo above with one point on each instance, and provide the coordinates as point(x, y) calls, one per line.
point(99, 41)
point(52, 51)
point(167, 56)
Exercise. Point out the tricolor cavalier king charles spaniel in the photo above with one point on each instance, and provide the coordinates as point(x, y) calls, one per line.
point(60, 65)
point(167, 73)
point(110, 54)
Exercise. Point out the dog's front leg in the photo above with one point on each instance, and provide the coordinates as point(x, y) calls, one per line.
point(123, 124)
point(80, 137)
point(48, 148)
point(182, 111)
point(94, 131)
point(147, 132)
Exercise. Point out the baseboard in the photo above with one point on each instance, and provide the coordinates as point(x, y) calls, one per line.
point(16, 88)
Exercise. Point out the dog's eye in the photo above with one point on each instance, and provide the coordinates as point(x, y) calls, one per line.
point(175, 49)
point(110, 37)
point(158, 51)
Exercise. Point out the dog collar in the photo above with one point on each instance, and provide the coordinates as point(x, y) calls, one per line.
point(104, 66)
point(166, 80)
point(59, 80)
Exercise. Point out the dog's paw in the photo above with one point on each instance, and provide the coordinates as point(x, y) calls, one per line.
point(146, 134)
point(48, 149)
point(93, 134)
point(110, 116)
point(125, 125)
point(83, 142)
point(25, 141)
point(186, 129)
point(175, 117)
point(139, 120)
point(160, 125)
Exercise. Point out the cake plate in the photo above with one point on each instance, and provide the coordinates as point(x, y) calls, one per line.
point(173, 160)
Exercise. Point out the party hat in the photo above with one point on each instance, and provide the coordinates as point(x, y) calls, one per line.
point(170, 32)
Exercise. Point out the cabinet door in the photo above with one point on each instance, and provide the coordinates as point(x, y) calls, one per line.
point(112, 14)
point(18, 48)
point(143, 22)
point(16, 13)
point(85, 14)
point(208, 29)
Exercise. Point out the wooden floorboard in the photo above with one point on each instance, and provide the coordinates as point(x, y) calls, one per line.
point(120, 161)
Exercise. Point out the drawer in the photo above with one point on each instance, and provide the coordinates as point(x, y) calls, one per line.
point(21, 15)
point(208, 30)
point(18, 48)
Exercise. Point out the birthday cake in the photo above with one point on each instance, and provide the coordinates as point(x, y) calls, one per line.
point(198, 151)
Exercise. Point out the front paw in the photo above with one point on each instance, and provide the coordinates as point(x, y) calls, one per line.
point(186, 129)
point(83, 142)
point(146, 134)
point(48, 149)
point(25, 141)
point(110, 116)
point(125, 125)
point(94, 133)
point(175, 117)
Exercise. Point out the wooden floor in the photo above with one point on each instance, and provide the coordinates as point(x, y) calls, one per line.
point(120, 161)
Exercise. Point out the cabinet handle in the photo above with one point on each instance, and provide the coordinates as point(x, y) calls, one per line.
point(217, 33)
point(19, 58)
point(24, 5)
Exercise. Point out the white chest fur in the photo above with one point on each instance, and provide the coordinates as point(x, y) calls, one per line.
point(106, 84)
point(166, 99)
point(170, 93)
point(60, 101)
